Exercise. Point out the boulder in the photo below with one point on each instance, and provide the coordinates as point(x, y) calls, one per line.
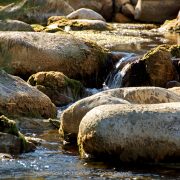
point(14, 25)
point(134, 2)
point(156, 11)
point(132, 133)
point(72, 116)
point(128, 10)
point(11, 140)
point(171, 26)
point(35, 11)
point(85, 13)
point(119, 3)
point(17, 98)
point(25, 53)
point(155, 68)
point(104, 7)
point(79, 24)
point(120, 18)
point(58, 87)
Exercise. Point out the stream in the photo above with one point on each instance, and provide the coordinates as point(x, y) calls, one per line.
point(51, 161)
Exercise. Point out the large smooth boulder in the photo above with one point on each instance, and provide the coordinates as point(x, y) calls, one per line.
point(85, 13)
point(14, 25)
point(26, 53)
point(58, 87)
point(132, 133)
point(156, 11)
point(35, 11)
point(155, 68)
point(72, 116)
point(11, 140)
point(104, 7)
point(17, 98)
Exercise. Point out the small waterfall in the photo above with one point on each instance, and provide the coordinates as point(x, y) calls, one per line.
point(114, 79)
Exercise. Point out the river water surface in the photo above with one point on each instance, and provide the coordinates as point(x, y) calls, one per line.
point(51, 161)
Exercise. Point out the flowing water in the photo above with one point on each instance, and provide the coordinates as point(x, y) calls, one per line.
point(51, 161)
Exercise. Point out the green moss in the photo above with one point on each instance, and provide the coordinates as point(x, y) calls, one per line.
point(153, 51)
point(77, 25)
point(9, 126)
point(175, 51)
point(75, 86)
point(53, 30)
point(37, 27)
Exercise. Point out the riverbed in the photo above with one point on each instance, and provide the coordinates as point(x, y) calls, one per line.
point(51, 161)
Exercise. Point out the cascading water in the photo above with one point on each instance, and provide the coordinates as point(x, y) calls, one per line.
point(114, 79)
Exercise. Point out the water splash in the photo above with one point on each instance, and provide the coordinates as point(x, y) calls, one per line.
point(114, 79)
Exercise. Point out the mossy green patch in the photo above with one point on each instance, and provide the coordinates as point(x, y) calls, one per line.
point(38, 27)
point(9, 126)
point(153, 51)
point(175, 51)
point(75, 86)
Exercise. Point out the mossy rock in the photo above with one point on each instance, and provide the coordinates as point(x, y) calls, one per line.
point(79, 24)
point(171, 26)
point(60, 89)
point(33, 11)
point(155, 68)
point(37, 27)
point(8, 126)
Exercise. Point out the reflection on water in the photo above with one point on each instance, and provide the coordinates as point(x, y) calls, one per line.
point(50, 161)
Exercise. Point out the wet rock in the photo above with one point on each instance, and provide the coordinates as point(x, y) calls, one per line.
point(11, 140)
point(104, 7)
point(4, 156)
point(172, 84)
point(81, 24)
point(25, 53)
point(35, 11)
point(14, 25)
point(134, 2)
point(20, 99)
point(120, 18)
point(156, 11)
point(154, 69)
point(58, 87)
point(85, 13)
point(35, 125)
point(128, 10)
point(72, 116)
point(132, 133)
point(122, 37)
point(119, 4)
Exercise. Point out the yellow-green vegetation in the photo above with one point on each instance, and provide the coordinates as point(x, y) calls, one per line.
point(172, 25)
point(37, 27)
point(75, 86)
point(155, 50)
point(9, 126)
point(63, 22)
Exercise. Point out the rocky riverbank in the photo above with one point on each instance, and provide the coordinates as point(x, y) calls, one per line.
point(52, 52)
